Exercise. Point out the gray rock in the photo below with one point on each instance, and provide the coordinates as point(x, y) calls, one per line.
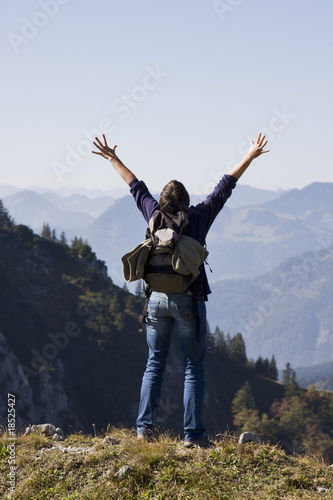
point(123, 471)
point(59, 434)
point(108, 440)
point(48, 430)
point(246, 437)
point(57, 437)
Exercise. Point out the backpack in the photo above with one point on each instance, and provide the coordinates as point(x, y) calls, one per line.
point(167, 260)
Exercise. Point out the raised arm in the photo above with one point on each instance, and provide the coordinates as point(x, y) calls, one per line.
point(110, 154)
point(256, 150)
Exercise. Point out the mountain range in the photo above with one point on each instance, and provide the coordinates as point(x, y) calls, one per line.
point(286, 312)
point(321, 376)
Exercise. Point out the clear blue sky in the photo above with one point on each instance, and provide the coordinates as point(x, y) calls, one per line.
point(180, 86)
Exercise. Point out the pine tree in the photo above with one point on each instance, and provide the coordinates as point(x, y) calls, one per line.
point(244, 399)
point(289, 380)
point(273, 372)
point(228, 341)
point(46, 231)
point(265, 368)
point(5, 219)
point(286, 374)
point(296, 419)
point(114, 304)
point(238, 349)
point(77, 242)
point(63, 238)
point(221, 343)
point(244, 408)
point(259, 365)
point(217, 332)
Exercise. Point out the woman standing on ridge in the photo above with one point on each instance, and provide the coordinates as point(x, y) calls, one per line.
point(168, 310)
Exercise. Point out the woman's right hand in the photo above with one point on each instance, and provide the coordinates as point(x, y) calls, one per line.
point(105, 150)
point(257, 149)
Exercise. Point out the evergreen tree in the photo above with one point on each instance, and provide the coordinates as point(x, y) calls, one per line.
point(54, 236)
point(273, 373)
point(120, 321)
point(266, 368)
point(46, 231)
point(130, 302)
point(238, 350)
point(289, 380)
point(243, 399)
point(295, 420)
point(114, 304)
point(82, 249)
point(78, 242)
point(63, 238)
point(244, 407)
point(217, 332)
point(5, 219)
point(221, 342)
point(313, 399)
point(259, 365)
point(228, 341)
point(287, 374)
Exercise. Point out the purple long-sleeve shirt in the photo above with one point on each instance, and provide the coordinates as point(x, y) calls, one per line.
point(200, 216)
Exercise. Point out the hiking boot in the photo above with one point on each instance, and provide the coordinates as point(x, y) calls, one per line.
point(145, 436)
point(142, 437)
point(202, 442)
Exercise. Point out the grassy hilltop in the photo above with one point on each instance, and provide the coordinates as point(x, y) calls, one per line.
point(85, 467)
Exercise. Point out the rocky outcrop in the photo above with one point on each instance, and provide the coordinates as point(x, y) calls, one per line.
point(13, 381)
point(48, 430)
point(37, 399)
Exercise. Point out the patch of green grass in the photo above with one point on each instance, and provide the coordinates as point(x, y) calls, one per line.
point(83, 467)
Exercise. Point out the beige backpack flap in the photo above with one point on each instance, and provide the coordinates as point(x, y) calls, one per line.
point(189, 255)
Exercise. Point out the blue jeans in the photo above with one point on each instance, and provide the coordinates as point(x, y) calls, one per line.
point(165, 312)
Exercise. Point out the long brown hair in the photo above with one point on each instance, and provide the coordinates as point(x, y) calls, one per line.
point(174, 197)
